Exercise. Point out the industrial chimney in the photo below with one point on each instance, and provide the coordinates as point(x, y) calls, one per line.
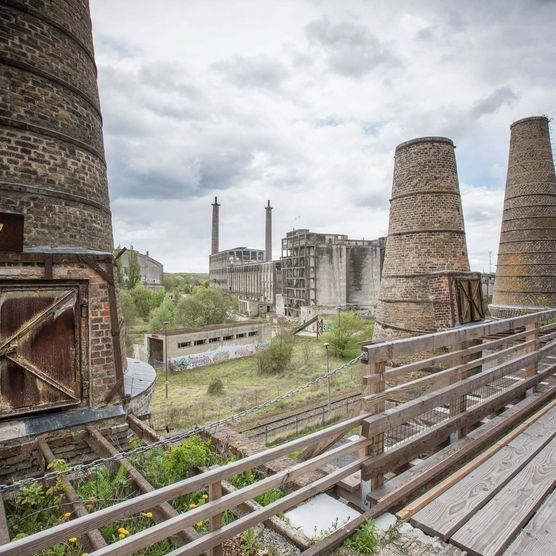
point(215, 226)
point(58, 294)
point(525, 274)
point(426, 253)
point(268, 233)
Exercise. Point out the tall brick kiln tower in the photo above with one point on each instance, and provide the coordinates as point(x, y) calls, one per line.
point(526, 270)
point(60, 348)
point(426, 284)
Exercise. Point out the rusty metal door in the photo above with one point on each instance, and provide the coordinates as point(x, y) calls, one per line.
point(39, 348)
point(470, 303)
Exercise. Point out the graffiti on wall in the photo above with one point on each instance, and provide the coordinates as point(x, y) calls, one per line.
point(222, 353)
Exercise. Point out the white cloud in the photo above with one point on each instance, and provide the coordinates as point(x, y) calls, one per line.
point(303, 102)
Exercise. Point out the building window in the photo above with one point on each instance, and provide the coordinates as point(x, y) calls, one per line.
point(199, 342)
point(240, 335)
point(184, 344)
point(253, 333)
point(226, 338)
point(213, 340)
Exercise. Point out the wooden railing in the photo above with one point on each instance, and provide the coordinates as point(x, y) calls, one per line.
point(400, 421)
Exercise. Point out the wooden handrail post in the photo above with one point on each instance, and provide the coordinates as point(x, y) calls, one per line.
point(215, 522)
point(532, 369)
point(373, 382)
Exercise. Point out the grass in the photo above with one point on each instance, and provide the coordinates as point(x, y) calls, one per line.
point(188, 403)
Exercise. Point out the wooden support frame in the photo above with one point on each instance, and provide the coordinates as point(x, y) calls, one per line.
point(94, 538)
point(162, 511)
point(4, 529)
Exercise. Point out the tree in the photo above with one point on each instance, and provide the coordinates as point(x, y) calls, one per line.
point(276, 356)
point(129, 311)
point(156, 299)
point(142, 299)
point(347, 334)
point(205, 306)
point(134, 272)
point(164, 313)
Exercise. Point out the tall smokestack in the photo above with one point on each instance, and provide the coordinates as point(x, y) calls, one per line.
point(426, 238)
point(525, 275)
point(268, 233)
point(215, 226)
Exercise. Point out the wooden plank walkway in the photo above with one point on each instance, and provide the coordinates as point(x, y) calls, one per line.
point(447, 513)
point(508, 497)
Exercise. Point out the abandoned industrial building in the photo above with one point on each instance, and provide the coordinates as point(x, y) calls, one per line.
point(451, 435)
point(151, 270)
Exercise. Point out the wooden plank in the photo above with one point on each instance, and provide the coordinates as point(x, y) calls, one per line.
point(404, 412)
point(215, 522)
point(163, 510)
point(486, 534)
point(445, 514)
point(94, 537)
point(144, 431)
point(432, 437)
point(4, 529)
point(538, 536)
point(443, 378)
point(77, 527)
point(479, 436)
point(430, 342)
point(250, 520)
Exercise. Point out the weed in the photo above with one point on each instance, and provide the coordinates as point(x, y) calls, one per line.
point(365, 541)
point(269, 497)
point(250, 541)
point(215, 387)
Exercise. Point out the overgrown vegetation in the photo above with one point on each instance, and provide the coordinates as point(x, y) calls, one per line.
point(276, 357)
point(215, 387)
point(346, 334)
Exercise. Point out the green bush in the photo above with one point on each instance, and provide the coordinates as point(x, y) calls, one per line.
point(275, 358)
point(215, 387)
point(163, 313)
point(346, 335)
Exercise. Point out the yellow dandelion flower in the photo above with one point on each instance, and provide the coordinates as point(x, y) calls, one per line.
point(121, 530)
point(238, 442)
point(121, 535)
point(72, 539)
point(192, 505)
point(147, 514)
point(85, 554)
point(228, 462)
point(205, 496)
point(67, 514)
point(199, 524)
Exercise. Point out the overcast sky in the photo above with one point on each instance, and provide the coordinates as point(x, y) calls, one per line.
point(303, 102)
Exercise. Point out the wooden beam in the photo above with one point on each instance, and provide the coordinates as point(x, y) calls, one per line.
point(162, 511)
point(94, 537)
point(432, 437)
point(144, 431)
point(392, 350)
point(447, 483)
point(77, 527)
point(250, 520)
point(403, 413)
point(4, 529)
point(338, 537)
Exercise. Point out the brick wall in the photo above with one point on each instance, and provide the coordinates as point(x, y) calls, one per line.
point(426, 235)
point(525, 277)
point(52, 156)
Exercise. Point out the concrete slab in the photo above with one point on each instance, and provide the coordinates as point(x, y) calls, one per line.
point(320, 515)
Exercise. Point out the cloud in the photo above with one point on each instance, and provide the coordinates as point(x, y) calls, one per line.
point(303, 103)
point(350, 49)
point(256, 72)
point(491, 103)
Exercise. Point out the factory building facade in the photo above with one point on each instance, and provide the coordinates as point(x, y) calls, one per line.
point(321, 272)
point(152, 271)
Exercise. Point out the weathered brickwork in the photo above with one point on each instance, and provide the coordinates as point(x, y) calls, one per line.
point(526, 269)
point(22, 459)
point(52, 165)
point(98, 368)
point(426, 242)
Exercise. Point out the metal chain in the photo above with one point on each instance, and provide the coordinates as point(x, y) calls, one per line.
point(79, 468)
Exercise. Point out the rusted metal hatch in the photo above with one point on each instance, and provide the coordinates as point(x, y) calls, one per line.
point(470, 301)
point(39, 348)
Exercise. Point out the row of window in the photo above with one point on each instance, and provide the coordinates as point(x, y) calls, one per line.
point(217, 339)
